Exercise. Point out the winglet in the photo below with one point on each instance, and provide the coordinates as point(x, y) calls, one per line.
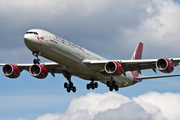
point(138, 52)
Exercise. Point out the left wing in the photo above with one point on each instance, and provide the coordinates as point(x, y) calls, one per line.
point(51, 67)
point(133, 65)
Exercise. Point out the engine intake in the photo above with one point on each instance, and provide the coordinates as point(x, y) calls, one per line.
point(38, 71)
point(11, 71)
point(113, 68)
point(164, 65)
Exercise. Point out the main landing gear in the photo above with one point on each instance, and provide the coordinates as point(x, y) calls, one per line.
point(112, 85)
point(36, 54)
point(92, 85)
point(69, 86)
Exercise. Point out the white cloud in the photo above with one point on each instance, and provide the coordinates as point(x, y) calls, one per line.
point(160, 30)
point(116, 24)
point(149, 106)
point(49, 116)
point(166, 103)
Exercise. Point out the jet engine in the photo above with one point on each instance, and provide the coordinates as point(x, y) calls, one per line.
point(164, 65)
point(11, 71)
point(113, 68)
point(38, 71)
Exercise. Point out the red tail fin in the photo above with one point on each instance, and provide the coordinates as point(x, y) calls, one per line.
point(138, 52)
point(137, 55)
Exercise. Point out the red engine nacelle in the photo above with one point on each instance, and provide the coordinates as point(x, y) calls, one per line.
point(113, 68)
point(11, 71)
point(164, 65)
point(38, 71)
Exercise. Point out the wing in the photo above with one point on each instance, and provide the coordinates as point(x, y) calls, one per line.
point(52, 67)
point(128, 65)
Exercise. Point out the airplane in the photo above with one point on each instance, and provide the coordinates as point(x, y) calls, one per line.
point(70, 60)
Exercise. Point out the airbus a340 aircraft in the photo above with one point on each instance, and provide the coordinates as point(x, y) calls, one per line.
point(73, 60)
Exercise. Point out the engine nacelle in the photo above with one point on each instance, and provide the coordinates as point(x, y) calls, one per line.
point(113, 68)
point(164, 65)
point(11, 71)
point(38, 71)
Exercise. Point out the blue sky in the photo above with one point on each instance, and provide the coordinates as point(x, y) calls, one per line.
point(111, 29)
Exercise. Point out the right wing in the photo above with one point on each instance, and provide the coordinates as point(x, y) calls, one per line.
point(129, 65)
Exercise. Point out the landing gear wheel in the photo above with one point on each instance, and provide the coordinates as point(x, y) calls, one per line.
point(69, 86)
point(116, 88)
point(65, 85)
point(113, 83)
point(88, 86)
point(92, 85)
point(108, 84)
point(34, 61)
point(36, 54)
point(74, 89)
point(111, 88)
point(38, 61)
point(68, 89)
point(96, 85)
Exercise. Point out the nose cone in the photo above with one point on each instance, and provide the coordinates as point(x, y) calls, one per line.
point(28, 39)
point(31, 42)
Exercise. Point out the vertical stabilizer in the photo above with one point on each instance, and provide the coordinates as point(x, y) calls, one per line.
point(138, 52)
point(137, 55)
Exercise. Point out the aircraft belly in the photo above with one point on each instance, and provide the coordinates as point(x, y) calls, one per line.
point(123, 81)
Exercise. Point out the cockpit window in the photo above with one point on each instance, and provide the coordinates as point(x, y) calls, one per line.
point(32, 33)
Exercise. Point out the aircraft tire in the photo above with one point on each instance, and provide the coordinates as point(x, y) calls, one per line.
point(108, 84)
point(71, 85)
point(96, 85)
point(114, 83)
point(38, 61)
point(111, 88)
point(93, 86)
point(88, 86)
point(68, 89)
point(74, 89)
point(116, 88)
point(65, 85)
point(34, 61)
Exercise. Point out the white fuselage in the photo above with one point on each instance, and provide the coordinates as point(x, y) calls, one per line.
point(70, 56)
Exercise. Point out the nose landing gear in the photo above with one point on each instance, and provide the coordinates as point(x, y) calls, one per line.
point(36, 54)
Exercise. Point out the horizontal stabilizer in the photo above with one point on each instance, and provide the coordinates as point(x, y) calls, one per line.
point(152, 77)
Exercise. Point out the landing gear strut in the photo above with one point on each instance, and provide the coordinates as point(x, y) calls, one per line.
point(69, 86)
point(36, 54)
point(92, 85)
point(112, 85)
